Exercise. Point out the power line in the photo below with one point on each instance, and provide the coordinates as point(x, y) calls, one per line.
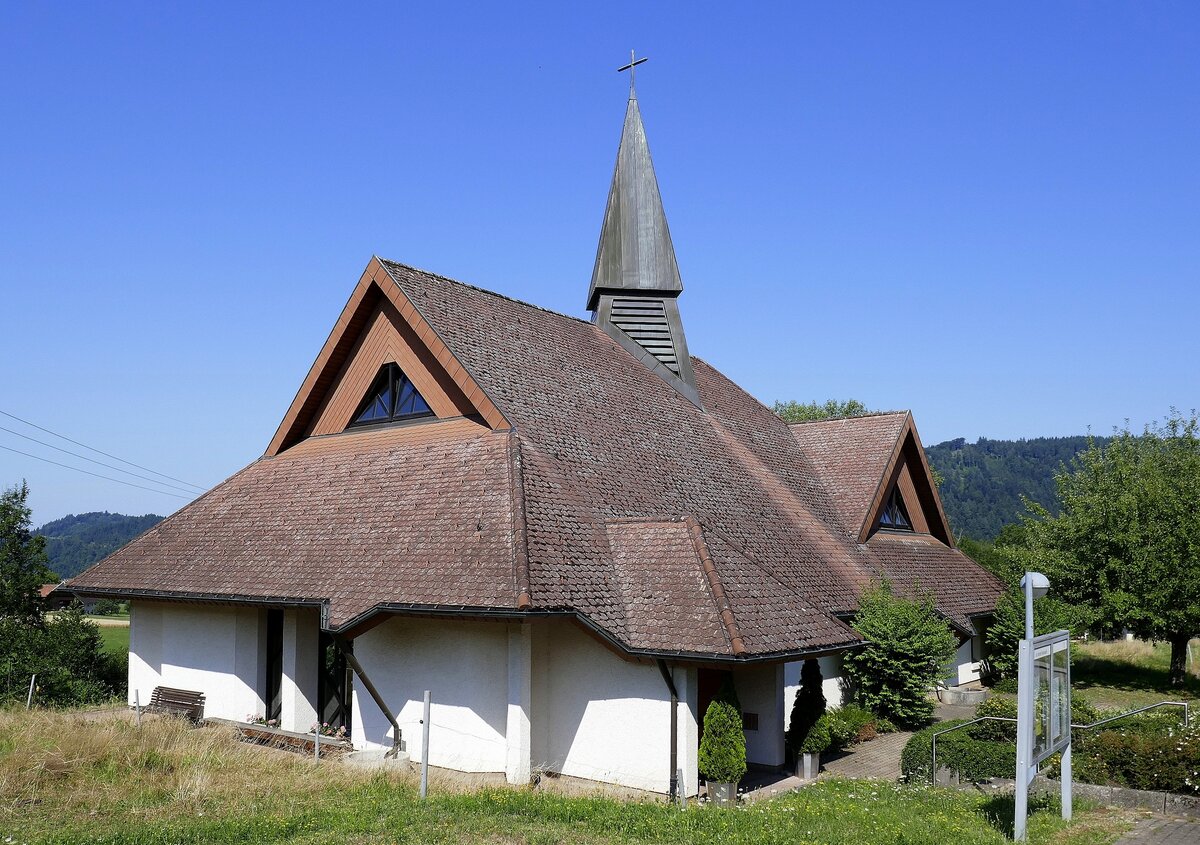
point(96, 474)
point(93, 460)
point(100, 452)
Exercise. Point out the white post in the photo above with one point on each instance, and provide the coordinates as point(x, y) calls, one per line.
point(1065, 783)
point(317, 741)
point(29, 698)
point(1027, 583)
point(137, 706)
point(1025, 716)
point(298, 686)
point(518, 727)
point(425, 747)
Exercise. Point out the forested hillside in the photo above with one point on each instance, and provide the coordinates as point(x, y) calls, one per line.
point(984, 481)
point(75, 542)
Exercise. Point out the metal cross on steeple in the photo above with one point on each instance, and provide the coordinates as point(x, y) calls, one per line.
point(629, 67)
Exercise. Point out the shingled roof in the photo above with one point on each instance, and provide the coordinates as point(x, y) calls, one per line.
point(595, 489)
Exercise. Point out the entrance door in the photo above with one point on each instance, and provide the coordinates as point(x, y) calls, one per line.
point(333, 686)
point(708, 684)
point(273, 694)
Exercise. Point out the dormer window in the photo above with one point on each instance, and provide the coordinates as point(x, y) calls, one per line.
point(391, 397)
point(895, 515)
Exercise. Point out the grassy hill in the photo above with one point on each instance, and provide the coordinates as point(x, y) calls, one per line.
point(76, 541)
point(984, 481)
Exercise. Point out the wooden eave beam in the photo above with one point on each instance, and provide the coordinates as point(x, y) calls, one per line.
point(375, 283)
point(940, 527)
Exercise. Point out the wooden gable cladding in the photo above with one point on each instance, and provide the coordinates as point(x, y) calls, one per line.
point(908, 472)
point(379, 325)
point(388, 339)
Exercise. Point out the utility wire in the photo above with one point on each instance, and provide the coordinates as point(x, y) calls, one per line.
point(96, 474)
point(99, 452)
point(93, 460)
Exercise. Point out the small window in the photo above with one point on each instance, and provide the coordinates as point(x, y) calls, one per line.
point(895, 515)
point(391, 397)
point(750, 721)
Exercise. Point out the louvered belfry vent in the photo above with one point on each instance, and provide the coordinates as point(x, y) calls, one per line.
point(645, 320)
point(635, 281)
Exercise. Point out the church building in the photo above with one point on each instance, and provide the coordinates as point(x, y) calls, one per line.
point(569, 530)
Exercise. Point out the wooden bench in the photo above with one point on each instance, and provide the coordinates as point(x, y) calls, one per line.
point(180, 702)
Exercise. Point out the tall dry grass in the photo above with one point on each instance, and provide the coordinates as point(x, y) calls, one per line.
point(66, 765)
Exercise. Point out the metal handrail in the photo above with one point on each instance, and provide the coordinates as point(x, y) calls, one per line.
point(933, 739)
point(1187, 720)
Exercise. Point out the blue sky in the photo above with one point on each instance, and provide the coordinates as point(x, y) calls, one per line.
point(987, 214)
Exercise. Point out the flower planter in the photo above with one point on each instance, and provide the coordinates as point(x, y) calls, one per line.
point(808, 765)
point(722, 794)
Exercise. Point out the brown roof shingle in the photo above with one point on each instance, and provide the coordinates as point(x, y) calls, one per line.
point(583, 507)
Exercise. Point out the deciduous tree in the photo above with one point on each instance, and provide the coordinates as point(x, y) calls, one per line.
point(1126, 542)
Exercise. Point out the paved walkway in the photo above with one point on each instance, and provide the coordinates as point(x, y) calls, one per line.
point(1163, 831)
point(879, 758)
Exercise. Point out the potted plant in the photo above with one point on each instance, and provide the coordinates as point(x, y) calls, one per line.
point(808, 707)
point(722, 755)
point(818, 739)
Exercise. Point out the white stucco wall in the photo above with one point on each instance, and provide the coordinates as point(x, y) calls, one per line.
point(760, 690)
point(215, 650)
point(600, 717)
point(965, 668)
point(463, 664)
point(298, 684)
point(831, 672)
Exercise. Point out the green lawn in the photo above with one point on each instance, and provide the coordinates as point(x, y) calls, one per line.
point(65, 780)
point(1125, 675)
point(115, 639)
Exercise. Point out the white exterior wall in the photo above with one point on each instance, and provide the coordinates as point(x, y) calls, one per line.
point(831, 685)
point(463, 664)
point(965, 668)
point(599, 717)
point(298, 686)
point(215, 650)
point(760, 689)
point(518, 726)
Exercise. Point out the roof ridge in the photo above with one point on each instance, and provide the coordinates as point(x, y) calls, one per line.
point(439, 276)
point(520, 531)
point(713, 578)
point(851, 417)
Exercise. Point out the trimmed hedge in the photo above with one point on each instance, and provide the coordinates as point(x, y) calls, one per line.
point(974, 759)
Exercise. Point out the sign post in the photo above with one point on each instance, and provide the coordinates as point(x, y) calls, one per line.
point(1043, 705)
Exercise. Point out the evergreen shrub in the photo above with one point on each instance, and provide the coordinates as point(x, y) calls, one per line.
point(818, 738)
point(808, 707)
point(722, 757)
point(908, 647)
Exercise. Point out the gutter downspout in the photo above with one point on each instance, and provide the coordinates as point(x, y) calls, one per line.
point(666, 673)
point(397, 739)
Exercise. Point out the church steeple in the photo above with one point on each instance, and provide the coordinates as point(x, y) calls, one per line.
point(635, 281)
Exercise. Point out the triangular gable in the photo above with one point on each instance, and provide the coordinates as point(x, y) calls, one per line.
point(379, 325)
point(908, 478)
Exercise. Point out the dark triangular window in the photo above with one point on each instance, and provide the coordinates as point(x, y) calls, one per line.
point(895, 515)
point(391, 397)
